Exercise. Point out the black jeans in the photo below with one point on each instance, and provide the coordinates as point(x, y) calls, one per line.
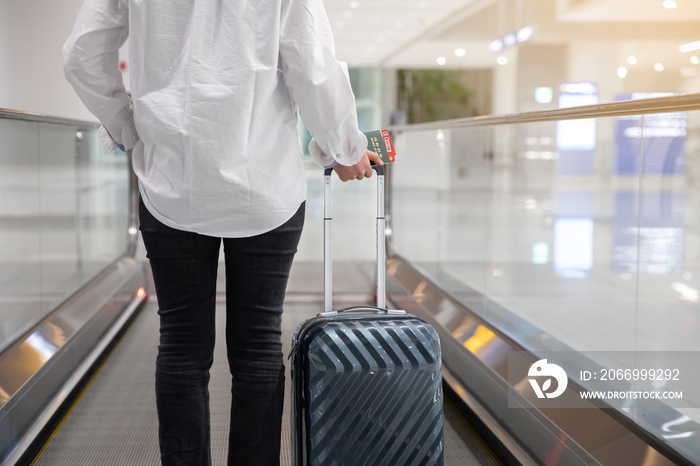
point(184, 268)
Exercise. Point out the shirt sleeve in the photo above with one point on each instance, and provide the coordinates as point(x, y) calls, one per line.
point(318, 84)
point(91, 65)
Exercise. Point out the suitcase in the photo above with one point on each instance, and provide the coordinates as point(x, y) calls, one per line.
point(366, 381)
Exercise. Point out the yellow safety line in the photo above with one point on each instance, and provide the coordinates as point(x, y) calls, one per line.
point(70, 410)
point(82, 392)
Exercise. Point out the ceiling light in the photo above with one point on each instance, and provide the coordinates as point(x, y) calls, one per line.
point(670, 4)
point(689, 47)
point(496, 45)
point(441, 61)
point(694, 60)
point(423, 5)
point(632, 60)
point(621, 72)
point(502, 60)
point(354, 5)
point(347, 14)
point(460, 52)
point(509, 40)
point(544, 95)
point(524, 34)
point(659, 67)
point(340, 24)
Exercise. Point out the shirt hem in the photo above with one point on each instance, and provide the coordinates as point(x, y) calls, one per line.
point(267, 222)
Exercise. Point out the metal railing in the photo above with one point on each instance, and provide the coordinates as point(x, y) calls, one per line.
point(679, 103)
point(7, 114)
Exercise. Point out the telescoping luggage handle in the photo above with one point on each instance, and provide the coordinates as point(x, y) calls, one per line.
point(381, 249)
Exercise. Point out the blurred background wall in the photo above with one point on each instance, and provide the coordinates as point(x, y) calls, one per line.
point(501, 52)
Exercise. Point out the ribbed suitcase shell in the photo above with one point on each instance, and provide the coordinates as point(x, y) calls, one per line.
point(367, 390)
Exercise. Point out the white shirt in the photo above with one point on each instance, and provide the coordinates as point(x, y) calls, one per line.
point(215, 87)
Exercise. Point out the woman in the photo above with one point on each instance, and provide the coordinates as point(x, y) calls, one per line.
point(212, 124)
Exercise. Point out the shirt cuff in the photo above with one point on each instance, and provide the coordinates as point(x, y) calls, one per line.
point(351, 154)
point(129, 136)
point(322, 159)
point(107, 139)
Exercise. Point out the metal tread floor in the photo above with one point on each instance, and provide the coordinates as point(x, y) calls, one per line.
point(114, 420)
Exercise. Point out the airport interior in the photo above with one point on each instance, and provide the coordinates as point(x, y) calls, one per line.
point(540, 215)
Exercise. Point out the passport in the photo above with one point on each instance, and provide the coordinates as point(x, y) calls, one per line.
point(380, 143)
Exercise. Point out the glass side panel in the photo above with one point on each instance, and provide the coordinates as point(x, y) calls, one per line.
point(20, 265)
point(58, 193)
point(83, 209)
point(102, 202)
point(668, 276)
point(417, 178)
point(577, 235)
point(63, 202)
point(556, 225)
point(668, 273)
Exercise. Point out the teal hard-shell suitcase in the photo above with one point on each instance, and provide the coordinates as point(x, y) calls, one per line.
point(366, 381)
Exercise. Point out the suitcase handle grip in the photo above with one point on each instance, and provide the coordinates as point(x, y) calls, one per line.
point(378, 168)
point(363, 309)
point(327, 247)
